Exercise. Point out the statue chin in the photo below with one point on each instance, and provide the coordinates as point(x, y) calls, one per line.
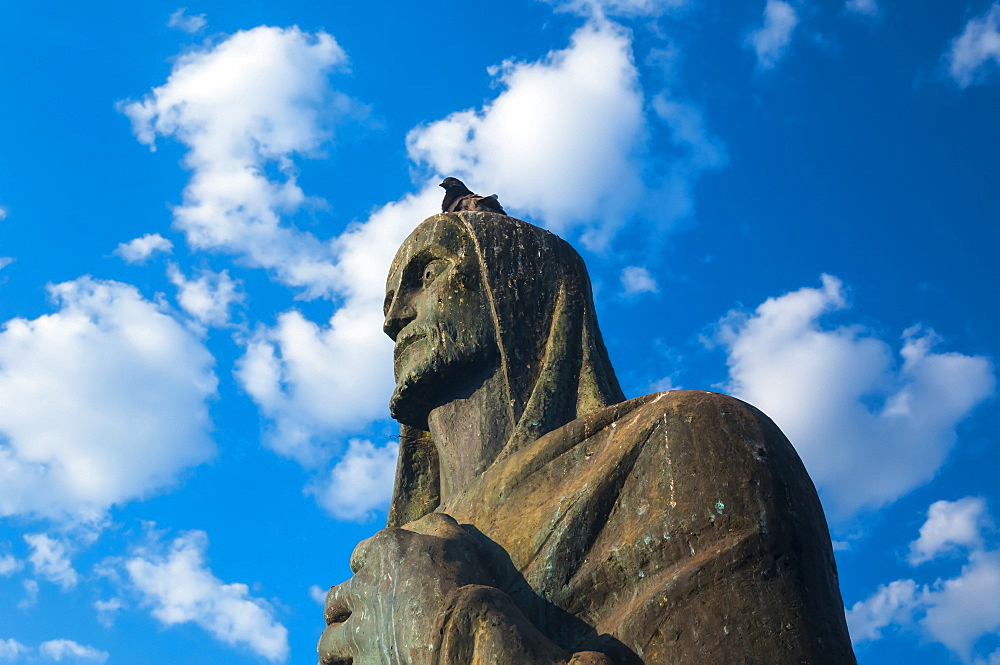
point(407, 407)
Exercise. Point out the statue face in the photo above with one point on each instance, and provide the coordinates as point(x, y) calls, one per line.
point(437, 311)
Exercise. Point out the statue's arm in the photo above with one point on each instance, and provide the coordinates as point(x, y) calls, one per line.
point(421, 595)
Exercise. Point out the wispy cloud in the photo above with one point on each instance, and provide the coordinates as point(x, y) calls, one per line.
point(976, 51)
point(867, 433)
point(59, 650)
point(105, 402)
point(772, 38)
point(175, 581)
point(50, 559)
point(189, 23)
point(11, 650)
point(600, 8)
point(864, 7)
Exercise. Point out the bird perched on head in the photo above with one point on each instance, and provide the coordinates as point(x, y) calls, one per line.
point(459, 197)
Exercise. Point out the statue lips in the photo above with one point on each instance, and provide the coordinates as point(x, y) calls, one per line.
point(404, 341)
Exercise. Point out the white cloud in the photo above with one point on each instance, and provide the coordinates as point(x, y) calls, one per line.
point(59, 650)
point(189, 23)
point(176, 582)
point(976, 48)
point(104, 402)
point(893, 603)
point(950, 525)
point(865, 7)
point(565, 141)
point(636, 279)
point(318, 594)
point(107, 609)
point(11, 649)
point(963, 609)
point(5, 261)
point(3, 213)
point(771, 39)
point(560, 140)
point(30, 594)
point(50, 560)
point(140, 249)
point(9, 564)
point(956, 612)
point(598, 8)
point(244, 105)
point(361, 482)
point(314, 383)
point(868, 433)
point(209, 296)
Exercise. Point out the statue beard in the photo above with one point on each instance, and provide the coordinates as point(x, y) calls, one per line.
point(451, 365)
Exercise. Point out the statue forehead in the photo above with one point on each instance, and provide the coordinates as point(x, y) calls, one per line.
point(438, 234)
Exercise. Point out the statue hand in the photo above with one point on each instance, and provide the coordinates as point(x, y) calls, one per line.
point(386, 613)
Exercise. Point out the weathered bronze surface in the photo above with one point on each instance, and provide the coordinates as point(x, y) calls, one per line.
point(538, 517)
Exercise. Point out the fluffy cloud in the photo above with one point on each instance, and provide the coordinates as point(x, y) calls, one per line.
point(104, 402)
point(314, 383)
point(965, 608)
point(59, 650)
point(636, 279)
point(559, 142)
point(175, 581)
point(867, 433)
point(50, 559)
point(140, 249)
point(361, 482)
point(771, 39)
point(208, 297)
point(977, 49)
point(955, 612)
point(566, 140)
point(242, 107)
point(950, 525)
point(893, 603)
point(189, 23)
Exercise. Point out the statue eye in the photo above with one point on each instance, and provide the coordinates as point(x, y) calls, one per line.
point(432, 270)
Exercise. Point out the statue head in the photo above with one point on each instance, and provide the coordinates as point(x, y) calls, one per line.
point(437, 311)
point(476, 294)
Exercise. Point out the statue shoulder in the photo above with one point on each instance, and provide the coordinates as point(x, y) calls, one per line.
point(709, 427)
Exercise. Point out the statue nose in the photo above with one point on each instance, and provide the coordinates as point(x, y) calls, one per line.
point(397, 318)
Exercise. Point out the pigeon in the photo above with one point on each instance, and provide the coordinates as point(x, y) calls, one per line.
point(459, 197)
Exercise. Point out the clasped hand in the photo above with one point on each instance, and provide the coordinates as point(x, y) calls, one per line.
point(387, 613)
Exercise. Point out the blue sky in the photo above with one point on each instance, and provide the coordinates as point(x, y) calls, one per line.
point(791, 201)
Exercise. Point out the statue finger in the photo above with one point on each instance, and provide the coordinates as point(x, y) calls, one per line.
point(339, 603)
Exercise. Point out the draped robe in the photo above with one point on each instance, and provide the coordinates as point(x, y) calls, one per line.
point(679, 527)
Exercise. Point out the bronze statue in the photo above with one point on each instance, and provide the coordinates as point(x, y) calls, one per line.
point(539, 517)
